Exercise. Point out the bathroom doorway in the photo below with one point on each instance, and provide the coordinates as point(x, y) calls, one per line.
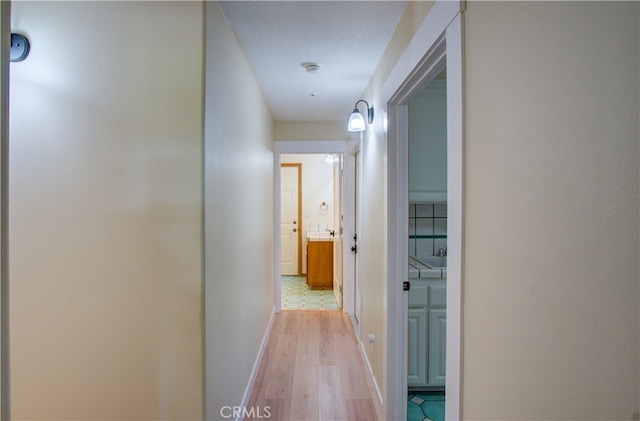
point(427, 204)
point(319, 226)
point(315, 284)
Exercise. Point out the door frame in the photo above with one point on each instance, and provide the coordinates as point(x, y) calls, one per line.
point(298, 147)
point(299, 215)
point(440, 37)
point(5, 41)
point(352, 226)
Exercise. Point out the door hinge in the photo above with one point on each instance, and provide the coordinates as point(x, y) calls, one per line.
point(406, 286)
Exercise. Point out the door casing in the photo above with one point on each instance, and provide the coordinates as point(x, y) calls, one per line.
point(440, 37)
point(353, 200)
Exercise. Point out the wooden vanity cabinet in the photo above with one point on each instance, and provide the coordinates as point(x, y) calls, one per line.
point(320, 264)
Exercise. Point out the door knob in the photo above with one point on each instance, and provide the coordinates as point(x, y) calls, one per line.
point(295, 230)
point(294, 222)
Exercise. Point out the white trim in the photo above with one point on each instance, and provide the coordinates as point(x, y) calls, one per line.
point(455, 216)
point(296, 147)
point(395, 363)
point(310, 146)
point(348, 259)
point(439, 38)
point(256, 365)
point(432, 28)
point(374, 389)
point(353, 147)
point(5, 41)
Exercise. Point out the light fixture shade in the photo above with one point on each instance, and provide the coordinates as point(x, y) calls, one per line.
point(356, 121)
point(331, 158)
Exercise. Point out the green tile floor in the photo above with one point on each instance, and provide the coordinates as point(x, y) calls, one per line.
point(296, 295)
point(425, 406)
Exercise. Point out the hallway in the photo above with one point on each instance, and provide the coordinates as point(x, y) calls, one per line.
point(312, 370)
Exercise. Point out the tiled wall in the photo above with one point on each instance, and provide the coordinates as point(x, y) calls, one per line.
point(427, 228)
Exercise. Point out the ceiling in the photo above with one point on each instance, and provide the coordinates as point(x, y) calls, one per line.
point(346, 38)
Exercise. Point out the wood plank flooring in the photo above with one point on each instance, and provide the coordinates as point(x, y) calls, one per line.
point(312, 370)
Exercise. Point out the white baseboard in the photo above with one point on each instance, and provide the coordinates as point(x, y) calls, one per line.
point(256, 365)
point(373, 385)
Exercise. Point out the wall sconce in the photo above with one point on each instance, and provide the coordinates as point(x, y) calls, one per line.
point(331, 158)
point(356, 120)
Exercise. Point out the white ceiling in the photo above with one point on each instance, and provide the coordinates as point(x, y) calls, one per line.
point(347, 38)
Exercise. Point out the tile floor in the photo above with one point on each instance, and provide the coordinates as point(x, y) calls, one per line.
point(425, 406)
point(296, 295)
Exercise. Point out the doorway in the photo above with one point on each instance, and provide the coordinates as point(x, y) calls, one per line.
point(427, 202)
point(334, 215)
point(353, 201)
point(437, 44)
point(310, 231)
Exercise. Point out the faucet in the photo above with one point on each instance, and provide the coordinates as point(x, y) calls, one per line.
point(442, 252)
point(331, 232)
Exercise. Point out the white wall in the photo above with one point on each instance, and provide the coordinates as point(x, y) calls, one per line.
point(106, 221)
point(372, 238)
point(105, 211)
point(551, 286)
point(311, 130)
point(239, 220)
point(317, 187)
point(551, 327)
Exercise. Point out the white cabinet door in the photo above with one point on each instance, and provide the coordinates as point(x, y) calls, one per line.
point(437, 347)
point(418, 326)
point(427, 344)
point(417, 366)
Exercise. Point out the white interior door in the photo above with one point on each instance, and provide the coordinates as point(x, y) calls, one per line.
point(289, 219)
point(354, 247)
point(338, 219)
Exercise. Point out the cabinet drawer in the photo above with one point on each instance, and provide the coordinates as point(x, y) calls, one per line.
point(438, 296)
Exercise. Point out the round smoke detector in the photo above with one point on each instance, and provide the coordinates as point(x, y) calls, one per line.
point(311, 67)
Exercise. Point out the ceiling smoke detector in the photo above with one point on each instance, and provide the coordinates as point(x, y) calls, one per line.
point(311, 67)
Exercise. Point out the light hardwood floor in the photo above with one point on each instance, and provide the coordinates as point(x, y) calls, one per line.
point(312, 370)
